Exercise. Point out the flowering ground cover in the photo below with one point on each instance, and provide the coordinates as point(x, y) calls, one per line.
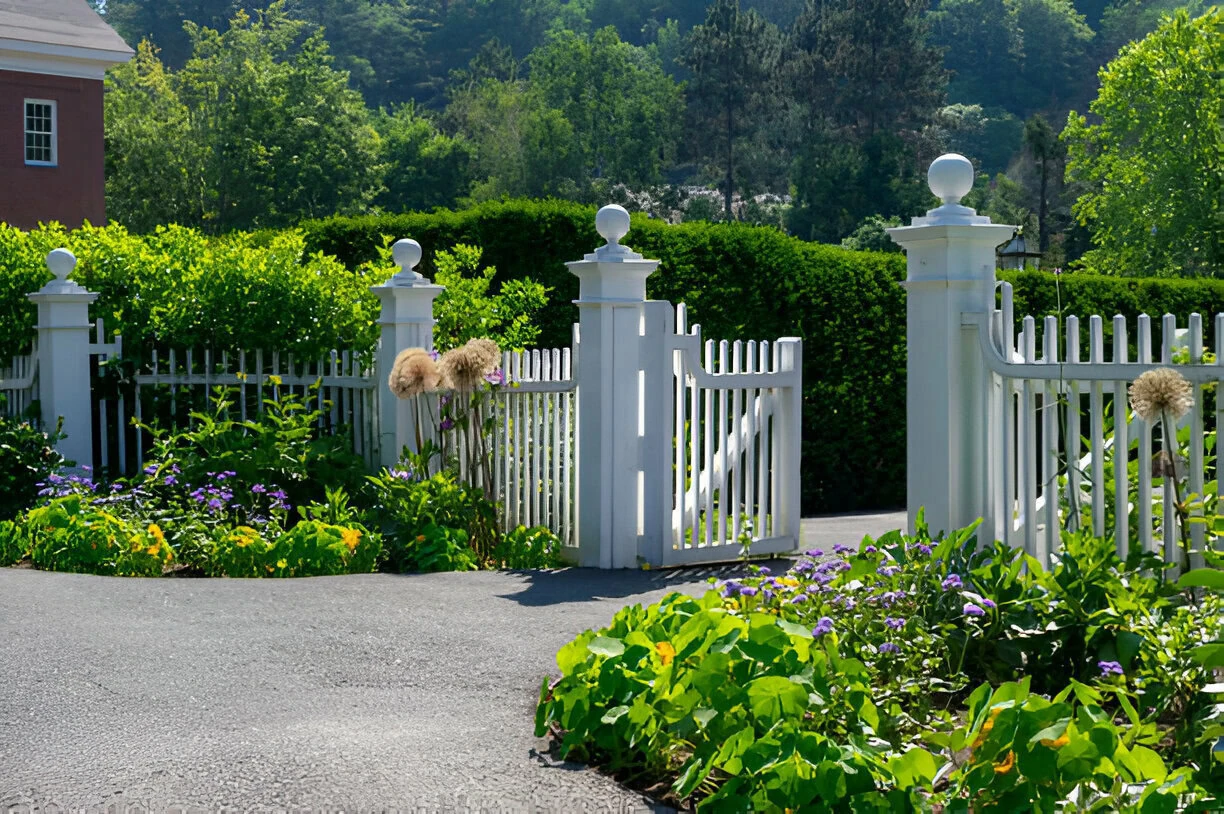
point(907, 674)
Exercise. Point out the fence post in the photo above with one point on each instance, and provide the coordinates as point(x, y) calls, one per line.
point(406, 321)
point(950, 260)
point(790, 424)
point(63, 358)
point(611, 307)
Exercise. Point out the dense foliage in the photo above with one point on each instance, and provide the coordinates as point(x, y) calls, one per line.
point(272, 495)
point(176, 287)
point(905, 674)
point(1154, 183)
point(812, 115)
point(27, 458)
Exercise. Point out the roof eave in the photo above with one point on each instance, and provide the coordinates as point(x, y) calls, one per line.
point(59, 60)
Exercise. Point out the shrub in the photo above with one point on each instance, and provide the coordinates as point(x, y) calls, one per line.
point(846, 683)
point(14, 543)
point(309, 549)
point(433, 524)
point(177, 287)
point(27, 459)
point(72, 534)
point(523, 547)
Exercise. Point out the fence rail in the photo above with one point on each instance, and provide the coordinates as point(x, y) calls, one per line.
point(19, 385)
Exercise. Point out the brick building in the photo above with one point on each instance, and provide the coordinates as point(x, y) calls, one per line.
point(53, 56)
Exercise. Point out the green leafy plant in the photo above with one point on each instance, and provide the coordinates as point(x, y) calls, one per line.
point(523, 547)
point(71, 534)
point(407, 506)
point(14, 543)
point(28, 458)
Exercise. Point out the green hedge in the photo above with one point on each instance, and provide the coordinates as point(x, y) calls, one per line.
point(740, 282)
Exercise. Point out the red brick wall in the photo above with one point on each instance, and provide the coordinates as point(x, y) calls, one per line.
point(72, 191)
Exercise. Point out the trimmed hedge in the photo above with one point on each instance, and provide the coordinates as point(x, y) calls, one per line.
point(743, 282)
point(740, 282)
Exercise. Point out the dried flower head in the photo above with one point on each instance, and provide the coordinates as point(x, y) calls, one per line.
point(413, 373)
point(489, 353)
point(464, 368)
point(1159, 391)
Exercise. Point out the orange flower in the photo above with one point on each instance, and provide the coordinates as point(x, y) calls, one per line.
point(666, 652)
point(986, 727)
point(1005, 765)
point(156, 531)
point(350, 537)
point(1057, 743)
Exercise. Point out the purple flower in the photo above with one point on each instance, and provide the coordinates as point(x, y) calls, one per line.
point(54, 478)
point(989, 604)
point(764, 570)
point(799, 599)
point(748, 590)
point(1110, 668)
point(824, 626)
point(151, 469)
point(215, 505)
point(496, 377)
point(280, 495)
point(923, 549)
point(894, 623)
point(953, 582)
point(814, 552)
point(838, 548)
point(433, 354)
point(730, 588)
point(870, 549)
point(971, 609)
point(446, 424)
point(116, 487)
point(802, 567)
point(888, 570)
point(170, 480)
point(259, 488)
point(889, 647)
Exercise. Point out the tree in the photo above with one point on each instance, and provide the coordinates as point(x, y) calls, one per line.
point(1043, 145)
point(868, 84)
point(162, 22)
point(1153, 167)
point(150, 181)
point(617, 99)
point(256, 130)
point(425, 168)
point(733, 58)
point(1056, 40)
point(983, 47)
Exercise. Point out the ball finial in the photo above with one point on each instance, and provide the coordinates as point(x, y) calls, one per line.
point(950, 178)
point(406, 253)
point(612, 223)
point(61, 262)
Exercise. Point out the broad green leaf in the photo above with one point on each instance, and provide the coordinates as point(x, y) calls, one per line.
point(604, 646)
point(772, 697)
point(915, 767)
point(613, 715)
point(1202, 578)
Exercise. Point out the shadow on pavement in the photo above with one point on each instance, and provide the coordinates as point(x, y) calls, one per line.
point(590, 584)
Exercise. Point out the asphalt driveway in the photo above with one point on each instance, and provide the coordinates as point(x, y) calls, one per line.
point(335, 693)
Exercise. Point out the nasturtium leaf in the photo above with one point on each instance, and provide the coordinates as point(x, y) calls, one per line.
point(1209, 655)
point(604, 646)
point(914, 768)
point(613, 715)
point(733, 748)
point(1146, 764)
point(772, 697)
point(1202, 578)
point(703, 716)
point(1078, 758)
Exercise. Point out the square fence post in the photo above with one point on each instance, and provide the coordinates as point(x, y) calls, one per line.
point(406, 321)
point(950, 259)
point(63, 358)
point(611, 395)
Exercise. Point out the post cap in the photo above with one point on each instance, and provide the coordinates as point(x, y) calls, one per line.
point(407, 254)
point(61, 262)
point(612, 223)
point(950, 177)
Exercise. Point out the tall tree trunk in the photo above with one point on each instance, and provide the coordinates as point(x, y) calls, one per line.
point(729, 188)
point(1043, 240)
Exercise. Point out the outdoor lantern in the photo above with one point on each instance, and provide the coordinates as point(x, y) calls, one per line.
point(1015, 255)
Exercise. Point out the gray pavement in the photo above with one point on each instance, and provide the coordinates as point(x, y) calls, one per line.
point(338, 693)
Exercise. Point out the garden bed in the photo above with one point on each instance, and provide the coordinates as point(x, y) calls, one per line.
point(907, 674)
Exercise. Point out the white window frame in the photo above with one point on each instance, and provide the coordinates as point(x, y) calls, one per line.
point(25, 131)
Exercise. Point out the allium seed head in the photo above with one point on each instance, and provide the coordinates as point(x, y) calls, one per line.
point(413, 373)
point(1159, 391)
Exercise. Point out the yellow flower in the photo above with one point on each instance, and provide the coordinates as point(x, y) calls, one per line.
point(153, 549)
point(1005, 765)
point(1056, 743)
point(350, 537)
point(666, 652)
point(240, 376)
point(241, 540)
point(282, 564)
point(791, 581)
point(275, 380)
point(137, 543)
point(156, 531)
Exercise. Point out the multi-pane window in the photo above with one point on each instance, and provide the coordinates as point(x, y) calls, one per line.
point(39, 131)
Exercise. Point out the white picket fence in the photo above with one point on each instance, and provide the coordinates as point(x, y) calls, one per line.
point(730, 442)
point(19, 385)
point(1059, 416)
